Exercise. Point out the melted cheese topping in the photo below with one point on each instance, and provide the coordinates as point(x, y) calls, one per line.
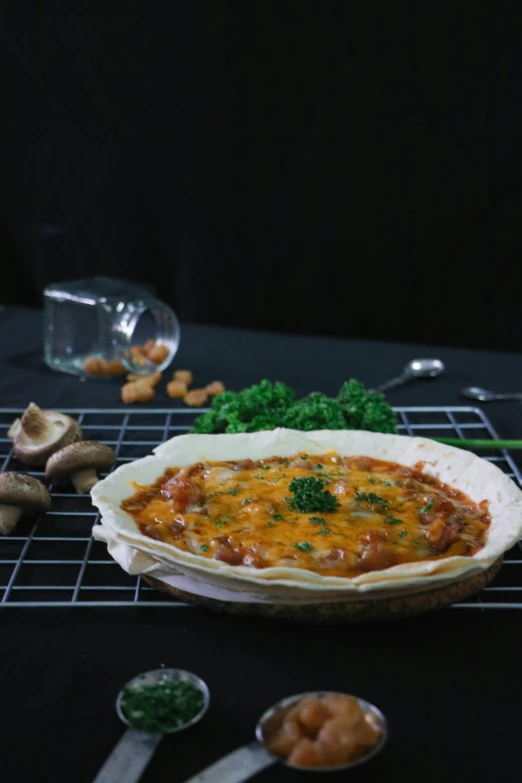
point(244, 513)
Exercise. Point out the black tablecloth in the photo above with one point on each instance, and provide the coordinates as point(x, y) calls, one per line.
point(449, 682)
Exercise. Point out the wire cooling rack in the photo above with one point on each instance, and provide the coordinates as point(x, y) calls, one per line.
point(54, 561)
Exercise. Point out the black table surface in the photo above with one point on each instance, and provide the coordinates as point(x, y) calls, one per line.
point(449, 682)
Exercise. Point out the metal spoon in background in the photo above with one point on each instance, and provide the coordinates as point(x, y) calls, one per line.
point(484, 395)
point(244, 762)
point(417, 368)
point(127, 761)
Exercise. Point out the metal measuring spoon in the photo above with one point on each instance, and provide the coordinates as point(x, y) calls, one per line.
point(417, 368)
point(126, 762)
point(244, 762)
point(484, 395)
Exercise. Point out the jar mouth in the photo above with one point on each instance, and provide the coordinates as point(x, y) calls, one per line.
point(148, 336)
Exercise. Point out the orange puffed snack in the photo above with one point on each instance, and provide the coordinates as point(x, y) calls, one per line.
point(196, 398)
point(176, 389)
point(139, 354)
point(102, 368)
point(158, 353)
point(150, 380)
point(183, 375)
point(92, 366)
point(137, 392)
point(325, 731)
point(216, 387)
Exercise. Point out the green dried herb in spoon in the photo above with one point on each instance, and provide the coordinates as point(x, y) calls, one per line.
point(163, 706)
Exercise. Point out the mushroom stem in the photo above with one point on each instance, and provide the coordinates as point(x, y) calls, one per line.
point(84, 480)
point(9, 516)
point(35, 423)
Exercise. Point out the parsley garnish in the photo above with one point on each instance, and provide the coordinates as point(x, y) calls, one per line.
point(310, 495)
point(304, 546)
point(387, 484)
point(269, 524)
point(428, 506)
point(389, 520)
point(403, 533)
point(304, 456)
point(319, 466)
point(204, 548)
point(246, 501)
point(233, 491)
point(317, 520)
point(277, 517)
point(371, 497)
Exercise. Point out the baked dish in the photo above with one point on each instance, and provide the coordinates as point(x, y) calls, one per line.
point(331, 513)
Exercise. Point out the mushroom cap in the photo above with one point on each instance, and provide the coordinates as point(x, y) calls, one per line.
point(17, 489)
point(78, 456)
point(42, 432)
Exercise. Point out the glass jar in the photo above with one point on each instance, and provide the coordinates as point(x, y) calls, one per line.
point(102, 327)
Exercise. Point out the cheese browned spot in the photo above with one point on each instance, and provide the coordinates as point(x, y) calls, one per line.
point(243, 513)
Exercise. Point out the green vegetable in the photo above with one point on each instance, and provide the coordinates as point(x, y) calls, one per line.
point(388, 520)
point(304, 546)
point(268, 405)
point(428, 506)
point(317, 520)
point(162, 706)
point(403, 533)
point(277, 517)
point(204, 548)
point(310, 495)
point(371, 497)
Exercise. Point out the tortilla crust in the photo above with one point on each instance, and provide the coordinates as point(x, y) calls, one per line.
point(477, 478)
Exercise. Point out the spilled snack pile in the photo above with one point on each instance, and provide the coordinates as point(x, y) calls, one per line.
point(141, 354)
point(326, 731)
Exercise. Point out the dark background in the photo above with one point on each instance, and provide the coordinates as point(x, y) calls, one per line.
point(327, 167)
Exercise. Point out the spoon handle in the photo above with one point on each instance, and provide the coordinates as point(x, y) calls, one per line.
point(513, 396)
point(238, 766)
point(398, 381)
point(130, 756)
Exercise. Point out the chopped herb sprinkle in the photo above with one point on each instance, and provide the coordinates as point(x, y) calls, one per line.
point(277, 517)
point(162, 706)
point(204, 548)
point(389, 520)
point(428, 506)
point(370, 497)
point(304, 546)
point(403, 533)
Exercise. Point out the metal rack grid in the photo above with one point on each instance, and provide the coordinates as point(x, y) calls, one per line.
point(54, 561)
